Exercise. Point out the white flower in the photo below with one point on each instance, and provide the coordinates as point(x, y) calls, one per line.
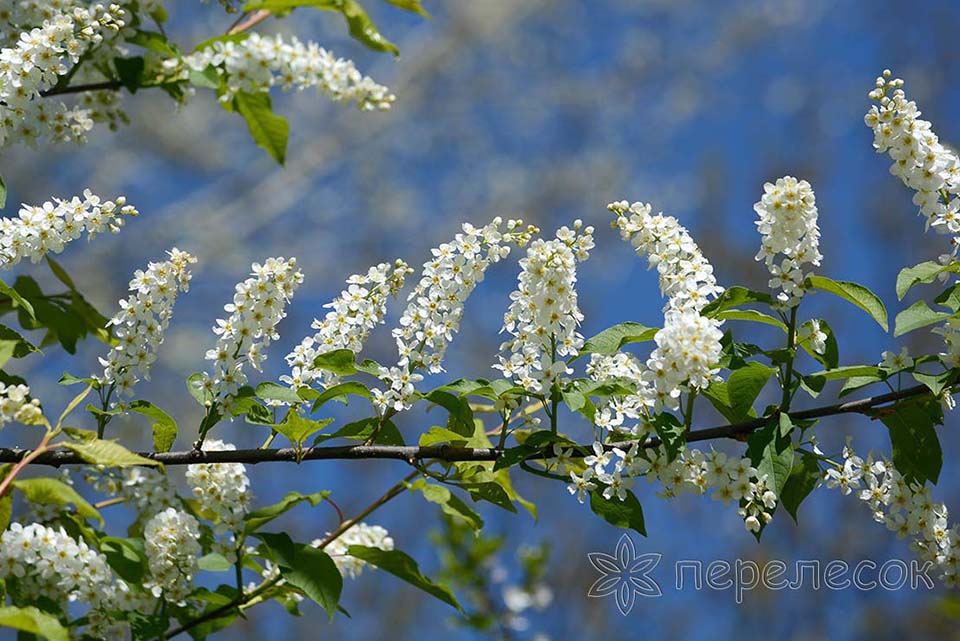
point(371, 536)
point(259, 62)
point(810, 331)
point(583, 484)
point(258, 305)
point(353, 314)
point(143, 318)
point(38, 230)
point(172, 540)
point(896, 362)
point(790, 235)
point(543, 316)
point(222, 489)
point(15, 406)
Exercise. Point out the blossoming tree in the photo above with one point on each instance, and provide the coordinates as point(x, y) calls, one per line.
point(64, 67)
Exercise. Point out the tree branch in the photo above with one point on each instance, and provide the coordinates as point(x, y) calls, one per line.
point(413, 454)
point(107, 85)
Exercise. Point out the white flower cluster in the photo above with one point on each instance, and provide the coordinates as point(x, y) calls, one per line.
point(358, 309)
point(688, 347)
point(260, 62)
point(145, 489)
point(788, 225)
point(371, 536)
point(904, 507)
point(258, 305)
point(37, 61)
point(686, 277)
point(15, 406)
point(543, 316)
point(919, 160)
point(221, 489)
point(731, 479)
point(49, 227)
point(613, 411)
point(435, 306)
point(172, 540)
point(48, 563)
point(143, 318)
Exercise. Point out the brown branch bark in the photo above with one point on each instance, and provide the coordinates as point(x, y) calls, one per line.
point(412, 454)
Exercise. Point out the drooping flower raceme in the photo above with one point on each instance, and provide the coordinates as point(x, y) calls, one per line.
point(260, 62)
point(16, 406)
point(358, 309)
point(687, 357)
point(38, 60)
point(258, 305)
point(172, 545)
point(38, 230)
point(435, 306)
point(371, 536)
point(143, 318)
point(222, 489)
point(906, 508)
point(919, 159)
point(48, 563)
point(686, 277)
point(791, 237)
point(543, 316)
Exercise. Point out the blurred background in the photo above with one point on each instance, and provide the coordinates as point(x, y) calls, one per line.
point(545, 110)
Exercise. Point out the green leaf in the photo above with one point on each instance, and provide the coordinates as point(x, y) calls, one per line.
point(154, 41)
point(126, 557)
point(671, 432)
point(49, 491)
point(610, 340)
point(214, 562)
point(340, 393)
point(297, 428)
point(258, 518)
point(916, 316)
point(935, 382)
point(950, 297)
point(744, 386)
point(164, 426)
point(270, 391)
point(849, 371)
point(268, 130)
point(916, 448)
point(130, 72)
point(307, 568)
point(626, 514)
point(361, 27)
point(492, 492)
point(363, 430)
point(109, 453)
point(461, 416)
point(450, 504)
point(33, 621)
point(17, 300)
point(410, 5)
point(750, 315)
point(3, 193)
point(403, 567)
point(803, 478)
point(209, 78)
point(853, 293)
point(69, 379)
point(735, 297)
point(857, 382)
point(437, 434)
point(925, 272)
point(341, 362)
point(772, 454)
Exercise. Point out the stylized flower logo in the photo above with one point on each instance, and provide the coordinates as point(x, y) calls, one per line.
point(624, 574)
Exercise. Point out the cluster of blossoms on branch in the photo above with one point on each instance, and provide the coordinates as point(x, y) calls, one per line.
point(38, 60)
point(173, 546)
point(43, 562)
point(259, 303)
point(790, 235)
point(143, 318)
point(354, 314)
point(259, 62)
point(221, 489)
point(371, 536)
point(543, 317)
point(16, 405)
point(45, 228)
point(906, 508)
point(435, 306)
